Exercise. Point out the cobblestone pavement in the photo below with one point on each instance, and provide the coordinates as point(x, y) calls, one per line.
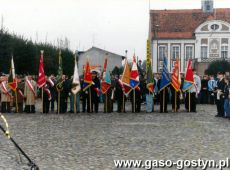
point(93, 141)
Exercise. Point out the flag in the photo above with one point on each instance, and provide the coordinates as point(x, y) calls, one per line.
point(176, 81)
point(165, 78)
point(76, 86)
point(87, 82)
point(59, 82)
point(134, 75)
point(12, 82)
point(41, 73)
point(125, 79)
point(188, 80)
point(150, 78)
point(106, 81)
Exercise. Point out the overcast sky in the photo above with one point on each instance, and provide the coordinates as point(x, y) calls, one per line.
point(114, 25)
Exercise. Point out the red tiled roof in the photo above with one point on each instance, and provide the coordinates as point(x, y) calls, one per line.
point(182, 23)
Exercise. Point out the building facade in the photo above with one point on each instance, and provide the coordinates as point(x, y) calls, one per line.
point(96, 57)
point(202, 35)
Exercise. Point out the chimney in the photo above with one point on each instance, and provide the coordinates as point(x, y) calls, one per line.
point(207, 6)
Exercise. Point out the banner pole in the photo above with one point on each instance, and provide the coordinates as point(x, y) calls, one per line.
point(16, 100)
point(106, 103)
point(90, 107)
point(175, 107)
point(189, 102)
point(134, 101)
point(163, 100)
point(75, 107)
point(42, 101)
point(59, 98)
point(123, 103)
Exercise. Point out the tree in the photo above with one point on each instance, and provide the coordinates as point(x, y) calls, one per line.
point(217, 66)
point(27, 54)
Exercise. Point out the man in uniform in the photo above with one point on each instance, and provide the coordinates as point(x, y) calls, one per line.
point(192, 93)
point(30, 93)
point(119, 95)
point(220, 95)
point(95, 92)
point(5, 96)
point(20, 95)
point(46, 96)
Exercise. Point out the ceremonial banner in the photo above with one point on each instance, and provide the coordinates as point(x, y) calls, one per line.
point(87, 82)
point(125, 79)
point(76, 86)
point(106, 81)
point(59, 82)
point(134, 75)
point(188, 80)
point(12, 82)
point(176, 80)
point(166, 79)
point(41, 74)
point(150, 78)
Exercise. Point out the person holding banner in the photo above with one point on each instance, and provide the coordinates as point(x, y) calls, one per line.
point(163, 84)
point(119, 95)
point(46, 96)
point(193, 92)
point(30, 93)
point(95, 92)
point(220, 95)
point(20, 94)
point(6, 96)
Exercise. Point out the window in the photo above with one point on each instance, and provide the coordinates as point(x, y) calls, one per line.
point(175, 52)
point(188, 52)
point(162, 52)
point(224, 51)
point(204, 51)
point(215, 27)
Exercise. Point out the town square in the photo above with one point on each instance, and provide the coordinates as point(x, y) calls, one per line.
point(105, 84)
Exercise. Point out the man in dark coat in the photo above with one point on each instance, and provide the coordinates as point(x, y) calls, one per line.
point(95, 92)
point(204, 90)
point(220, 95)
point(119, 96)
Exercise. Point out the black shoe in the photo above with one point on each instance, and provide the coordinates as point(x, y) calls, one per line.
point(218, 116)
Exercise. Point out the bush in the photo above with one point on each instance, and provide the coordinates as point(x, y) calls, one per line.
point(217, 66)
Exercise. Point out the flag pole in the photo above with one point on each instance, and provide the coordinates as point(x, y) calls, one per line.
point(175, 107)
point(16, 100)
point(90, 102)
point(134, 101)
point(163, 100)
point(123, 103)
point(106, 103)
point(59, 98)
point(75, 107)
point(42, 101)
point(189, 102)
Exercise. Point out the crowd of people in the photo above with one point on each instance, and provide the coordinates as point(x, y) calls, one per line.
point(205, 90)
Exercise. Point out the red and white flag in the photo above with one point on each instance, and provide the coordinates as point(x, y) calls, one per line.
point(41, 74)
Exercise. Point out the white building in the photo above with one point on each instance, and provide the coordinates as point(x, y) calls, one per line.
point(96, 57)
point(200, 34)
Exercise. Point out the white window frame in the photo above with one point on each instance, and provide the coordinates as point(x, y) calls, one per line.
point(224, 45)
point(173, 51)
point(191, 57)
point(201, 53)
point(165, 51)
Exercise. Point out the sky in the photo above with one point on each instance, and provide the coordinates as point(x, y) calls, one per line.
point(113, 25)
